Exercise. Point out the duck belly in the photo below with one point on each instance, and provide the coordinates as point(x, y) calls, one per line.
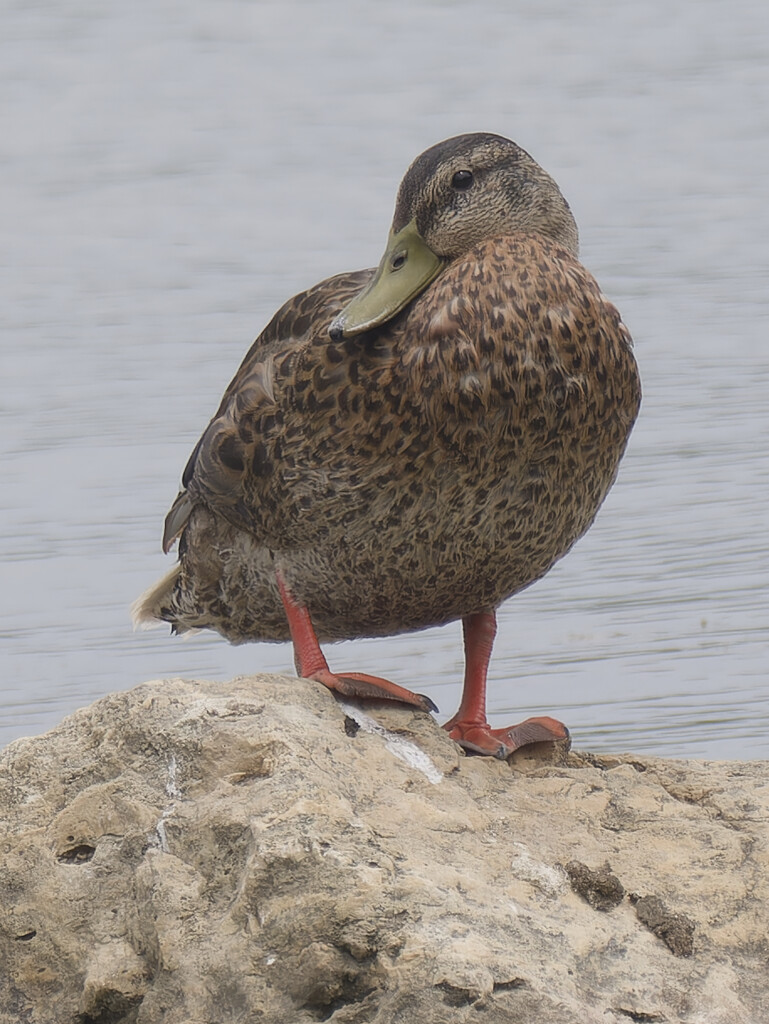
point(392, 567)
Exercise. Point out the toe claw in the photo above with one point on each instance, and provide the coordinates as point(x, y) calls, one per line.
point(427, 704)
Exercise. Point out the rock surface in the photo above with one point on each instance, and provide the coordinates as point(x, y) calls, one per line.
point(256, 851)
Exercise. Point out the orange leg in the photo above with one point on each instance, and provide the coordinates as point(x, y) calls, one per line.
point(311, 664)
point(469, 726)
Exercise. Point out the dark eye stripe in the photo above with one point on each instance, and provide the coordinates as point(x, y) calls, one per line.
point(462, 180)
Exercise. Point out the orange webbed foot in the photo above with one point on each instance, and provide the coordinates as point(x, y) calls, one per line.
point(469, 726)
point(311, 664)
point(480, 738)
point(360, 686)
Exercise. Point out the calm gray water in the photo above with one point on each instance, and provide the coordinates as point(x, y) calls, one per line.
point(173, 171)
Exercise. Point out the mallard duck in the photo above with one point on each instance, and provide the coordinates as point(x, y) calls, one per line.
point(411, 445)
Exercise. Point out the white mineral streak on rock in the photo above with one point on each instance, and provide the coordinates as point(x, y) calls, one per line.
point(547, 879)
point(399, 746)
point(174, 792)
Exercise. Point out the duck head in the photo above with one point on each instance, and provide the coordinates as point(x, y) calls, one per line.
point(454, 196)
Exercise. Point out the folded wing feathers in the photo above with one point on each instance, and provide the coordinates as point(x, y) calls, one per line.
point(259, 390)
point(176, 519)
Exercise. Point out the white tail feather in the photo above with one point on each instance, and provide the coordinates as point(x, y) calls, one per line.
point(145, 611)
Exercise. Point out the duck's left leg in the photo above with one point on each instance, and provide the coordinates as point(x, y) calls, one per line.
point(311, 664)
point(469, 726)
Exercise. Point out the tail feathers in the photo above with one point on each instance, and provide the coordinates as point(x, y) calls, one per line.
point(154, 607)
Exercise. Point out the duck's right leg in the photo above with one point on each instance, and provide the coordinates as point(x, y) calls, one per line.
point(311, 663)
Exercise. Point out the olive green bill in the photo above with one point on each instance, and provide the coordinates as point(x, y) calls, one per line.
point(406, 269)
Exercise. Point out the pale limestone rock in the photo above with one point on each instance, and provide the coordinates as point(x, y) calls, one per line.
point(255, 851)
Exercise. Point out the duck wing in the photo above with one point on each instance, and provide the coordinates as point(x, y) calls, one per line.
point(229, 462)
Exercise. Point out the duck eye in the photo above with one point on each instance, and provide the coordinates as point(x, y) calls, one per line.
point(462, 180)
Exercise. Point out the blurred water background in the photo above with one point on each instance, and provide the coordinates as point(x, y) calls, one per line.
point(171, 172)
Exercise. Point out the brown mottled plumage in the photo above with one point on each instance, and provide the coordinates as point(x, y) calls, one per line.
point(426, 468)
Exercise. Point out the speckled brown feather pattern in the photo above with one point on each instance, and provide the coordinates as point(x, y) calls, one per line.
point(416, 473)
